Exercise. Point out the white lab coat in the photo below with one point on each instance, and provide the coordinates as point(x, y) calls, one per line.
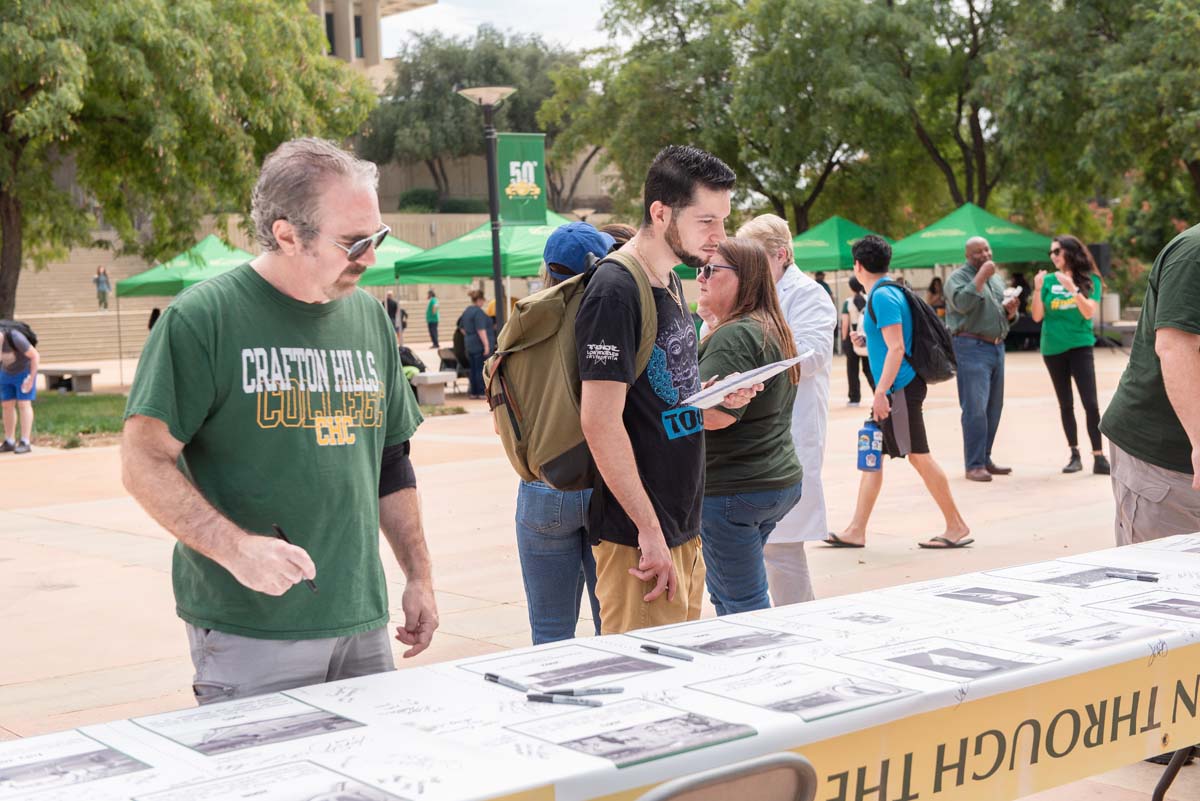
point(810, 313)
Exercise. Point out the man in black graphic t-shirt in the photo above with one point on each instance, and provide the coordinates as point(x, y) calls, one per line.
point(644, 518)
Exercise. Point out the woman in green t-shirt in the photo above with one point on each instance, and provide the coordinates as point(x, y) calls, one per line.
point(1065, 302)
point(752, 474)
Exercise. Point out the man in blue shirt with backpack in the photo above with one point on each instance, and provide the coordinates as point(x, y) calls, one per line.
point(899, 397)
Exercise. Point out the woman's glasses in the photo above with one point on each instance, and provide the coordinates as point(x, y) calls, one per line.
point(707, 270)
point(1055, 251)
point(358, 249)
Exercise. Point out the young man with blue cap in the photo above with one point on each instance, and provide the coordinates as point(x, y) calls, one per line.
point(556, 559)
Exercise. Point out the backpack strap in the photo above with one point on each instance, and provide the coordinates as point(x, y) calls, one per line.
point(649, 332)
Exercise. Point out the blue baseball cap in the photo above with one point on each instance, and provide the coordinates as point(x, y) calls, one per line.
point(569, 246)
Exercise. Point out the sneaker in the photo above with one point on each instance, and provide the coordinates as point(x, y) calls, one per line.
point(8, 446)
point(1075, 465)
point(23, 447)
point(1100, 465)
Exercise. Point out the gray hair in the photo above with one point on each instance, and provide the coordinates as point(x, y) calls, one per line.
point(291, 182)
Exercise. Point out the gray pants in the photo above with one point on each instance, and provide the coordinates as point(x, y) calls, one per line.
point(1152, 502)
point(229, 666)
point(787, 573)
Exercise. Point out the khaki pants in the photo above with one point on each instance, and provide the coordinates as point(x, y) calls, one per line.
point(1152, 502)
point(620, 594)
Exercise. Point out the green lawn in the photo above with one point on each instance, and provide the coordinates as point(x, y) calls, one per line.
point(66, 420)
point(69, 421)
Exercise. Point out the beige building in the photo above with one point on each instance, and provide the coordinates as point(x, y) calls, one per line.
point(354, 29)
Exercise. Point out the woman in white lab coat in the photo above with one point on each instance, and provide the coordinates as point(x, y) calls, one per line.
point(811, 315)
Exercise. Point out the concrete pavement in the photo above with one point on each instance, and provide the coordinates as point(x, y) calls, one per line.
point(87, 619)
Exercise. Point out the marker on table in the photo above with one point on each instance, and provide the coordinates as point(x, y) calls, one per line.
point(577, 691)
point(1131, 576)
point(662, 650)
point(509, 683)
point(312, 585)
point(546, 698)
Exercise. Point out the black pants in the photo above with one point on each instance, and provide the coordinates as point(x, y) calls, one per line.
point(433, 335)
point(1079, 364)
point(852, 367)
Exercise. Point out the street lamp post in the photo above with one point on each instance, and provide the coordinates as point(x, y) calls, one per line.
point(488, 97)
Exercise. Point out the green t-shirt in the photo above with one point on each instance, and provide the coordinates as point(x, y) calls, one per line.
point(1063, 327)
point(1140, 418)
point(756, 453)
point(284, 409)
point(431, 311)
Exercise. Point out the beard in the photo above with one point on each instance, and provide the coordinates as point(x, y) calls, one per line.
point(676, 244)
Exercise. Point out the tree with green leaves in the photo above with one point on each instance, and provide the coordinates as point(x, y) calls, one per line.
point(158, 111)
point(421, 121)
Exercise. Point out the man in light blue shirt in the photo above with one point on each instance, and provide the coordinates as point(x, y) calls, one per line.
point(887, 327)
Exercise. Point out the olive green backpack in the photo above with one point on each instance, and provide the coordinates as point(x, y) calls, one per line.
point(532, 379)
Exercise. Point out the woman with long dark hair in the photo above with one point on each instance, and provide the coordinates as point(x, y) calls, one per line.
point(1065, 302)
point(752, 473)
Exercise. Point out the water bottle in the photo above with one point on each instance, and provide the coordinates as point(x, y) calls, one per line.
point(870, 447)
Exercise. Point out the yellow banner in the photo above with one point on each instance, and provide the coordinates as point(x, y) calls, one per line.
point(1021, 742)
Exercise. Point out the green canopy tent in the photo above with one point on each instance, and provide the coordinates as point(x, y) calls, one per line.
point(943, 242)
point(209, 257)
point(461, 260)
point(383, 272)
point(827, 246)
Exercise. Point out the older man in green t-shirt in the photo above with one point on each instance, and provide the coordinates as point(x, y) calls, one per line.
point(267, 429)
point(1153, 421)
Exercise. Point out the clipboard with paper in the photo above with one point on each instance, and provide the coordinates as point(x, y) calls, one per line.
point(712, 396)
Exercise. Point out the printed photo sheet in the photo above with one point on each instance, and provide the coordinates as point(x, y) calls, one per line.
point(1071, 575)
point(60, 760)
point(1079, 632)
point(564, 666)
point(721, 638)
point(631, 732)
point(952, 660)
point(810, 692)
point(847, 619)
point(295, 781)
point(1163, 604)
point(232, 726)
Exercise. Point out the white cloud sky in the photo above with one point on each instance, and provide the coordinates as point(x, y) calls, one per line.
point(573, 23)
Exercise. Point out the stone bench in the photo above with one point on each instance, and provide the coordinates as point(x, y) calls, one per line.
point(70, 379)
point(431, 387)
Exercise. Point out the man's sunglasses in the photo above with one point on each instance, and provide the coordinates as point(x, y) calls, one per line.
point(707, 270)
point(359, 248)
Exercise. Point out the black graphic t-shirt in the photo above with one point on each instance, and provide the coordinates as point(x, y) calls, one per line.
point(667, 437)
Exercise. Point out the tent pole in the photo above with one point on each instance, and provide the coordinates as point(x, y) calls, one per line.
point(120, 347)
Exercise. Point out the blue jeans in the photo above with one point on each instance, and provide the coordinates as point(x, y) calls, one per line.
point(477, 359)
point(556, 559)
point(734, 529)
point(980, 395)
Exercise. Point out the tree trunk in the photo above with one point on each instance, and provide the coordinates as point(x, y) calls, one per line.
point(554, 189)
point(800, 212)
point(1193, 168)
point(10, 252)
point(932, 149)
point(578, 175)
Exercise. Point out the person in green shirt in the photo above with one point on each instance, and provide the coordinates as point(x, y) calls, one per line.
point(432, 317)
point(752, 476)
point(1153, 420)
point(267, 429)
point(1064, 302)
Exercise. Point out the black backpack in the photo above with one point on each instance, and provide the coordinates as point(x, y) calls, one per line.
point(16, 325)
point(410, 359)
point(932, 349)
